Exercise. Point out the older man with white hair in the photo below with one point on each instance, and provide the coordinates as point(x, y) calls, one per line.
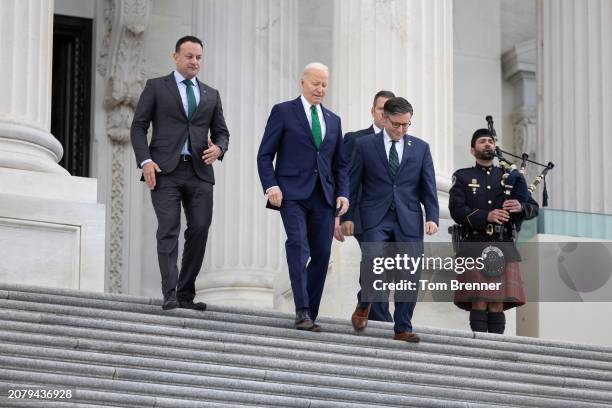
point(308, 185)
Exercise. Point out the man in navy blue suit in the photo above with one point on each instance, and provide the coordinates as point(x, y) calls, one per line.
point(309, 184)
point(380, 310)
point(396, 174)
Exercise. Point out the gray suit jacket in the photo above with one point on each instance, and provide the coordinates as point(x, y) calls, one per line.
point(160, 103)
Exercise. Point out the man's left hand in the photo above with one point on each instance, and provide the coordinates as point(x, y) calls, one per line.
point(431, 228)
point(211, 154)
point(342, 205)
point(513, 206)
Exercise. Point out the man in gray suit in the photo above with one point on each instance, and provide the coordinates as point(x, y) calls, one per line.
point(177, 165)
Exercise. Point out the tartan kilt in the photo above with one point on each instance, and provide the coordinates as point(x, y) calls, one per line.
point(511, 291)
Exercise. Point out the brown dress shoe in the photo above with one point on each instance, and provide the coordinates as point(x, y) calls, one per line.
point(360, 317)
point(316, 328)
point(405, 336)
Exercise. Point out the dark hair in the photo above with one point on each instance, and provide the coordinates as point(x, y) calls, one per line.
point(383, 94)
point(187, 38)
point(397, 106)
point(480, 133)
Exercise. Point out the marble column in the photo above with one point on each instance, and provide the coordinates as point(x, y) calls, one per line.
point(51, 226)
point(250, 56)
point(402, 46)
point(575, 102)
point(405, 47)
point(25, 84)
point(519, 66)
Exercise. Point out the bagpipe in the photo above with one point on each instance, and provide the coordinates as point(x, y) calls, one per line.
point(514, 183)
point(514, 180)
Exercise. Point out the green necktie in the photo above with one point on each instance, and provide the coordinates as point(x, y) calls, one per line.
point(393, 166)
point(316, 127)
point(191, 100)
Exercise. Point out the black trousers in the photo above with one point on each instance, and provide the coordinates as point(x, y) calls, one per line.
point(182, 186)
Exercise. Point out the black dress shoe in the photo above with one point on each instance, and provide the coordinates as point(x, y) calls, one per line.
point(201, 306)
point(302, 320)
point(170, 302)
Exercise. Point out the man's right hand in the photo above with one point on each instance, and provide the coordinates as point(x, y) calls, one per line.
point(498, 216)
point(348, 228)
point(338, 230)
point(275, 195)
point(148, 171)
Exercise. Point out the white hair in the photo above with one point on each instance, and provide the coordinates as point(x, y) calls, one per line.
point(315, 66)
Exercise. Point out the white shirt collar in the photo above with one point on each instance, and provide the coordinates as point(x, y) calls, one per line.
point(376, 129)
point(307, 104)
point(179, 78)
point(387, 137)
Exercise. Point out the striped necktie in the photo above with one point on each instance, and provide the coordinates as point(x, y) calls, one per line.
point(393, 166)
point(393, 159)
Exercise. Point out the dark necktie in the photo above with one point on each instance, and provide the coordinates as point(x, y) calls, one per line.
point(316, 127)
point(191, 100)
point(393, 159)
point(393, 166)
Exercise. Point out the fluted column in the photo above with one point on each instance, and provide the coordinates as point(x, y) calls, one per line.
point(575, 102)
point(250, 56)
point(25, 87)
point(402, 46)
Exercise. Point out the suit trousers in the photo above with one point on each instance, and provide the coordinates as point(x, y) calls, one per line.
point(389, 231)
point(182, 186)
point(309, 225)
point(380, 310)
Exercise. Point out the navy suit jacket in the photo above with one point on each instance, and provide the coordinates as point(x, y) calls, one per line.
point(349, 146)
point(299, 164)
point(415, 183)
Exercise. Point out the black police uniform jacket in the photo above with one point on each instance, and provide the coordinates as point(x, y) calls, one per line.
point(475, 192)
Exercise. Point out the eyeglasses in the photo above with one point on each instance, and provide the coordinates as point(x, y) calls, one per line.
point(397, 125)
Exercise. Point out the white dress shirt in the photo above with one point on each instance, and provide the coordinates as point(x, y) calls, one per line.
point(307, 106)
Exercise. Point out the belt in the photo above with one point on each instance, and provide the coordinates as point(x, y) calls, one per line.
point(186, 157)
point(497, 229)
point(490, 229)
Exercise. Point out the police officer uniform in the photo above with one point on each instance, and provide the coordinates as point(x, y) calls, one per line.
point(475, 192)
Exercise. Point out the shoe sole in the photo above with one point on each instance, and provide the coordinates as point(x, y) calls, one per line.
point(411, 340)
point(193, 308)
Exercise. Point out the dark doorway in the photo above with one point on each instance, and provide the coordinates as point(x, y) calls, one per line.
point(71, 91)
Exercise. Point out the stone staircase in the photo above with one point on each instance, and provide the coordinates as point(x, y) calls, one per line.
point(115, 350)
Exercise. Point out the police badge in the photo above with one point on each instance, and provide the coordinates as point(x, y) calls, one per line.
point(494, 261)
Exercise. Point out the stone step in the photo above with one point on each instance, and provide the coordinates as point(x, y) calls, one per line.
point(228, 390)
point(227, 345)
point(484, 390)
point(439, 344)
point(115, 350)
point(284, 319)
point(83, 398)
